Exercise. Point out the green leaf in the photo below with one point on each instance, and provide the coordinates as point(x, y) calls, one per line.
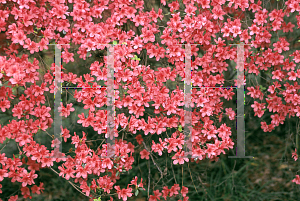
point(262, 88)
point(180, 128)
point(136, 192)
point(135, 58)
point(99, 199)
point(14, 89)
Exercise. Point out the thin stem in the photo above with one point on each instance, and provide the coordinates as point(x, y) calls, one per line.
point(5, 145)
point(149, 178)
point(192, 177)
point(76, 187)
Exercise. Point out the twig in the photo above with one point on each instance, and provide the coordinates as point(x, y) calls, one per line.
point(93, 140)
point(19, 148)
point(202, 185)
point(149, 178)
point(76, 187)
point(139, 165)
point(232, 175)
point(173, 172)
point(192, 177)
point(13, 193)
point(5, 145)
point(161, 173)
point(101, 144)
point(49, 134)
point(182, 180)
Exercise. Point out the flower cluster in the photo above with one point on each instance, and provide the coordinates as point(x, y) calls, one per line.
point(35, 26)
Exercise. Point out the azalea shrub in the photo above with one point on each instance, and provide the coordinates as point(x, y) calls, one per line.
point(149, 116)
